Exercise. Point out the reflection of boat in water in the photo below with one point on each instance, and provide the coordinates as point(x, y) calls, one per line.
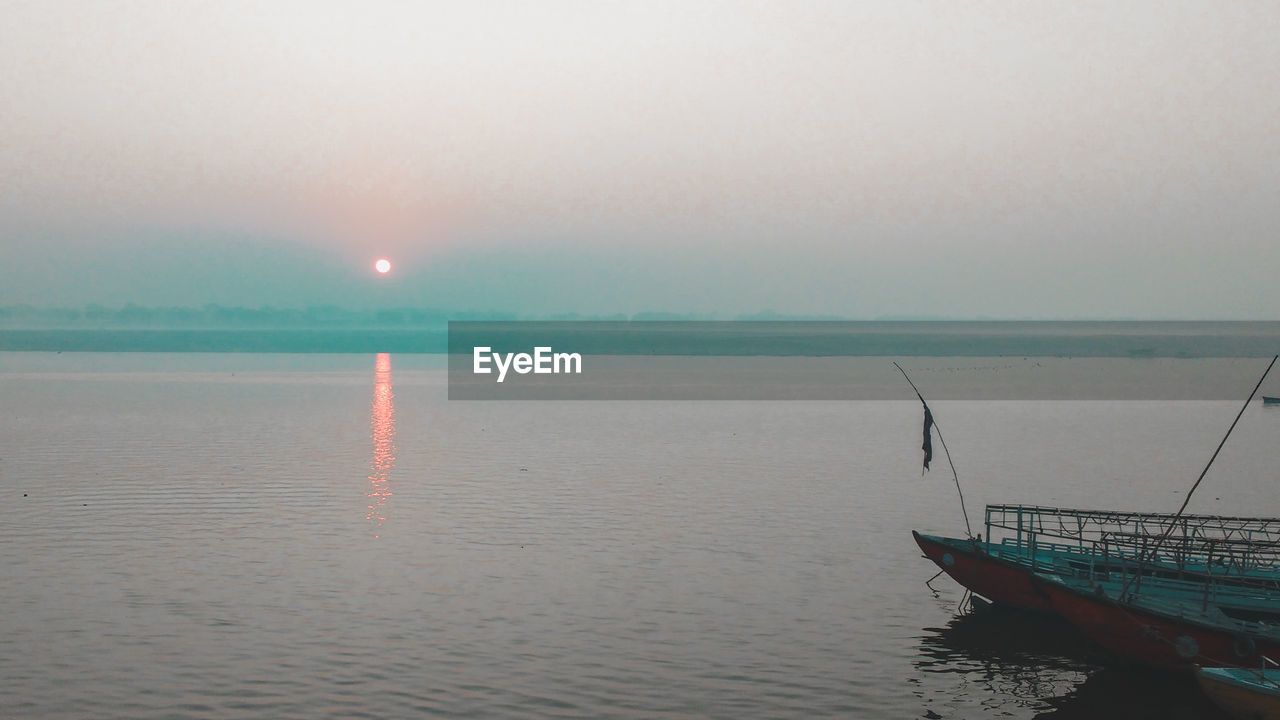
point(999, 660)
point(1245, 693)
point(1131, 692)
point(1011, 640)
point(1020, 663)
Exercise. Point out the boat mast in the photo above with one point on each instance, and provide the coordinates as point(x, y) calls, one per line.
point(968, 531)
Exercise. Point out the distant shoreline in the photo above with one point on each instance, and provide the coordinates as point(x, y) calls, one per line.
point(1125, 339)
point(226, 341)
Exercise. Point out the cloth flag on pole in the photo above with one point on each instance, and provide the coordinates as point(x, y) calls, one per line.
point(928, 436)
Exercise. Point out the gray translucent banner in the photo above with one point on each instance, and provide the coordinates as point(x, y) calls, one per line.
point(854, 361)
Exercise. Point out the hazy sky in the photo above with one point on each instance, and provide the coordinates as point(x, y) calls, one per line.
point(1074, 159)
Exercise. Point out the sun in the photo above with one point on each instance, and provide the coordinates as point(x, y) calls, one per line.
point(383, 266)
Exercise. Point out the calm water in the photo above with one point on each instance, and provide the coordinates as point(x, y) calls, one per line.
point(297, 536)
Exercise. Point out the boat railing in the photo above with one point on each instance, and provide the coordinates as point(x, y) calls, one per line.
point(1100, 543)
point(1030, 525)
point(1110, 553)
point(1213, 554)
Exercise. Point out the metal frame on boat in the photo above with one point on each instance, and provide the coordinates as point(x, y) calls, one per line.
point(1226, 554)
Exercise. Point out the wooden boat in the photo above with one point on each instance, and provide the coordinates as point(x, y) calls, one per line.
point(1228, 555)
point(1094, 563)
point(1244, 693)
point(1161, 631)
point(991, 576)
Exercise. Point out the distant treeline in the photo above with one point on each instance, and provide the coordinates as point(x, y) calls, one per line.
point(335, 330)
point(250, 340)
point(214, 316)
point(220, 316)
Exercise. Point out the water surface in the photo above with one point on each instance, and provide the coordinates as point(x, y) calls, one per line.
point(296, 536)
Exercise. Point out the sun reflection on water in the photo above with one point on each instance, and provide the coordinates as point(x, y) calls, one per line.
point(382, 423)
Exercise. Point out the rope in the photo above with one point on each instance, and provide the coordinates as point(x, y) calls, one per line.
point(1176, 516)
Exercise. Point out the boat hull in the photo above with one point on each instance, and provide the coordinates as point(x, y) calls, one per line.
point(994, 579)
point(1155, 638)
point(1241, 693)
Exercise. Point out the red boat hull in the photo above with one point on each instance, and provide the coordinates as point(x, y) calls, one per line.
point(1152, 638)
point(994, 579)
